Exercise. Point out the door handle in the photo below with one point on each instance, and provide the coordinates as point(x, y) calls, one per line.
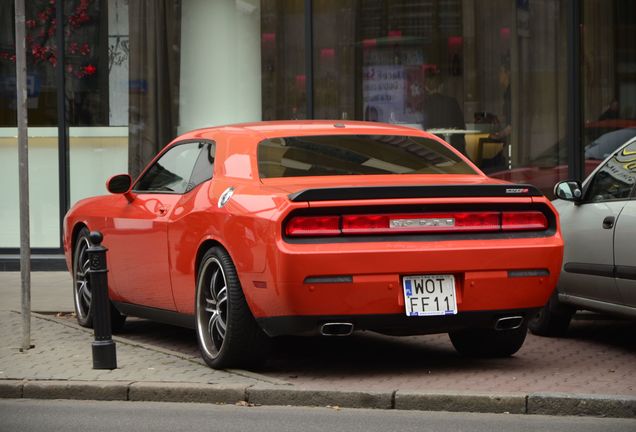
point(608, 222)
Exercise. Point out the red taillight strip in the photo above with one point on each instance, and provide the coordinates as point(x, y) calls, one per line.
point(409, 223)
point(523, 221)
point(310, 226)
point(425, 222)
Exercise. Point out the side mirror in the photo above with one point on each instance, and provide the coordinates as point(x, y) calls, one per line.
point(569, 191)
point(120, 184)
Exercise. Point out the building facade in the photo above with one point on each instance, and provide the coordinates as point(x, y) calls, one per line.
point(522, 87)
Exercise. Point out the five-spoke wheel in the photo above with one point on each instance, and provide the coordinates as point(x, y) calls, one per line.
point(82, 292)
point(213, 301)
point(227, 333)
point(81, 285)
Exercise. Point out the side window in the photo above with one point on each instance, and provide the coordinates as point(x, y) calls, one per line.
point(616, 179)
point(204, 165)
point(172, 171)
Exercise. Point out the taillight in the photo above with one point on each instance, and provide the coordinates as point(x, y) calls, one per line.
point(409, 223)
point(306, 226)
point(523, 221)
point(413, 223)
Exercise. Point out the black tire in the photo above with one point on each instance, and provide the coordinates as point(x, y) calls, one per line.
point(553, 319)
point(82, 293)
point(117, 320)
point(486, 343)
point(227, 333)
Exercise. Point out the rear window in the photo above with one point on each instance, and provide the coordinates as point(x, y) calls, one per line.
point(331, 155)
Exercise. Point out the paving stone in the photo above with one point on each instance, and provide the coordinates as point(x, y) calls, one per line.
point(63, 352)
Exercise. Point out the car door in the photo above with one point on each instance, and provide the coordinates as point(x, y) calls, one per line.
point(625, 238)
point(589, 229)
point(138, 243)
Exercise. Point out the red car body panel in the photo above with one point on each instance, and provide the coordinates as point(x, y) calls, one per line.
point(154, 240)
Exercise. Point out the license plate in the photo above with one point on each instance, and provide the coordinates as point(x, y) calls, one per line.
point(428, 295)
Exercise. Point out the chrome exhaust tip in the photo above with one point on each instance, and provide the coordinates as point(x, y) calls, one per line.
point(336, 329)
point(509, 323)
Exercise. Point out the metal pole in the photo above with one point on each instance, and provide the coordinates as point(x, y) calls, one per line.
point(23, 171)
point(574, 119)
point(104, 349)
point(309, 57)
point(62, 121)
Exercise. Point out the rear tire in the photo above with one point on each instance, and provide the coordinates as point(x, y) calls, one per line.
point(227, 333)
point(553, 319)
point(486, 343)
point(82, 292)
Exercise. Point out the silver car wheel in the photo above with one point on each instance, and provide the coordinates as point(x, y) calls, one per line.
point(82, 290)
point(212, 307)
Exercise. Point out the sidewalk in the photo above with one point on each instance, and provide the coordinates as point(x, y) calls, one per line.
point(160, 363)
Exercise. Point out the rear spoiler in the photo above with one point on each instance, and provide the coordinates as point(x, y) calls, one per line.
point(431, 191)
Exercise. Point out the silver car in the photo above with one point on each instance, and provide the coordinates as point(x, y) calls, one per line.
point(598, 222)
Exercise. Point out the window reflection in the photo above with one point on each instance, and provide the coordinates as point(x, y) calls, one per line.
point(283, 60)
point(488, 77)
point(609, 85)
point(356, 155)
point(616, 179)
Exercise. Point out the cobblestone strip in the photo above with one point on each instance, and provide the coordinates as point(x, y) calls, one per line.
point(63, 352)
point(195, 359)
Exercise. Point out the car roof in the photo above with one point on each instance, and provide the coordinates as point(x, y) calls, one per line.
point(243, 138)
point(285, 128)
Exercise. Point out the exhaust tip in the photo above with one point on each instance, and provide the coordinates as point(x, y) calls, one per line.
point(336, 329)
point(509, 323)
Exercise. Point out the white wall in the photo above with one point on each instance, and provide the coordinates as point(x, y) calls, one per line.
point(96, 154)
point(220, 63)
point(43, 190)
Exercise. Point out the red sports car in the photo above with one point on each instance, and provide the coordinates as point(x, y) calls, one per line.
point(319, 227)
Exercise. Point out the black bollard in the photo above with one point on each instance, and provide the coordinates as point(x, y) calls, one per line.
point(104, 350)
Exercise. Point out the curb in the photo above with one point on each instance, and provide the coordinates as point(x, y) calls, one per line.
point(266, 395)
point(511, 403)
point(557, 404)
point(585, 405)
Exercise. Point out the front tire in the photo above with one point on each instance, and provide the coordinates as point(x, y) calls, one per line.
point(82, 291)
point(227, 333)
point(487, 343)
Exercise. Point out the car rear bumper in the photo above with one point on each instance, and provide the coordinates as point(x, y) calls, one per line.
point(354, 279)
point(392, 324)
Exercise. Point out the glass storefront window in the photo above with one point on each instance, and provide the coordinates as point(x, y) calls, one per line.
point(334, 59)
point(42, 111)
point(487, 76)
point(608, 68)
point(85, 64)
point(283, 74)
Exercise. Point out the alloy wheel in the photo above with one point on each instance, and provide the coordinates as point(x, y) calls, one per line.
point(212, 307)
point(82, 292)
